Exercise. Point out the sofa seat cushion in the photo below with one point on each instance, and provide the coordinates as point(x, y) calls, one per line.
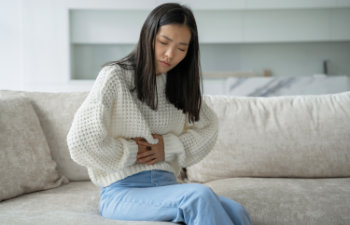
point(73, 203)
point(290, 201)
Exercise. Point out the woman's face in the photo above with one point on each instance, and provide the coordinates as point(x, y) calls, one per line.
point(170, 46)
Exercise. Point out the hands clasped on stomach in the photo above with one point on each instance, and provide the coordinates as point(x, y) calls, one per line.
point(149, 153)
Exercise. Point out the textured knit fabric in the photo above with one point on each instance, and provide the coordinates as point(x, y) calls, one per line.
point(102, 128)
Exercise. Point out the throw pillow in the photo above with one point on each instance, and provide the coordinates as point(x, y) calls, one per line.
point(25, 160)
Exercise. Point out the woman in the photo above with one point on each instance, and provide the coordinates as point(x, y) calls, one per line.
point(143, 120)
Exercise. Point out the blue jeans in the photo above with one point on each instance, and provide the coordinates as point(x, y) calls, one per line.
point(155, 195)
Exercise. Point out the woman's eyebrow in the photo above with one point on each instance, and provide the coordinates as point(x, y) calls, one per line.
point(169, 39)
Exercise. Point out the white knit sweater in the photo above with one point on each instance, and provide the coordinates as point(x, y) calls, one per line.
point(102, 128)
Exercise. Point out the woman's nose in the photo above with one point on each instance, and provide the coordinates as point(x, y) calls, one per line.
point(169, 53)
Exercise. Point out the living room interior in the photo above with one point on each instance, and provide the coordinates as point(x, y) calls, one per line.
point(277, 73)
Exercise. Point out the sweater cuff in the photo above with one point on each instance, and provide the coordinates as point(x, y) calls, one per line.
point(172, 147)
point(130, 152)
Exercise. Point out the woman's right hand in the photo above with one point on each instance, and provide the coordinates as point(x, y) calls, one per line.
point(149, 153)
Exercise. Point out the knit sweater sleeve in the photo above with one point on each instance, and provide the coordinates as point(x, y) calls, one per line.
point(89, 139)
point(195, 142)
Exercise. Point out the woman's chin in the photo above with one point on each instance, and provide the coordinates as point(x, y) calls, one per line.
point(161, 72)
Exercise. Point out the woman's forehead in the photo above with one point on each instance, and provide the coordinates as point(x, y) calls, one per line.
point(175, 32)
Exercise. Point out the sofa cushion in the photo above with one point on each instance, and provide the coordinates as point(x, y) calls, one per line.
point(25, 160)
point(289, 201)
point(56, 112)
point(74, 203)
point(288, 136)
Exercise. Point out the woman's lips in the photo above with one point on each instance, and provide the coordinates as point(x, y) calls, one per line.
point(164, 63)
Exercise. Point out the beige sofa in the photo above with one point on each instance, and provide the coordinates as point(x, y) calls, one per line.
point(286, 159)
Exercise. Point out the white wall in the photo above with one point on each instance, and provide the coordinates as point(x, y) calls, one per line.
point(10, 45)
point(35, 45)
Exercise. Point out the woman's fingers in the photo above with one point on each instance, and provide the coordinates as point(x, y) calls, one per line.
point(152, 162)
point(144, 143)
point(145, 149)
point(138, 139)
point(145, 154)
point(146, 159)
point(150, 153)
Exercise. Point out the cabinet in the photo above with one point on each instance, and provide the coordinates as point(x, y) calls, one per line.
point(77, 36)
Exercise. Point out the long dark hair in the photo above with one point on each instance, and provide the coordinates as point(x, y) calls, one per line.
point(183, 85)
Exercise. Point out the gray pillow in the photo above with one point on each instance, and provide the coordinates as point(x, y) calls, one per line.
point(25, 160)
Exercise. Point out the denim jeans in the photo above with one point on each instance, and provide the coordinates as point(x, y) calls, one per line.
point(155, 195)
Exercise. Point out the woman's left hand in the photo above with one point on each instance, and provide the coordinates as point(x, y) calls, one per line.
point(149, 153)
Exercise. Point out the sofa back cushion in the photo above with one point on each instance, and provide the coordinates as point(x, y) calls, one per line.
point(55, 112)
point(289, 136)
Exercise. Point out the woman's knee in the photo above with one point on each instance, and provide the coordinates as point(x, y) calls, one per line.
point(231, 204)
point(240, 213)
point(239, 209)
point(199, 191)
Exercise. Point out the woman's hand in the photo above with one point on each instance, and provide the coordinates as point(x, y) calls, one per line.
point(149, 153)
